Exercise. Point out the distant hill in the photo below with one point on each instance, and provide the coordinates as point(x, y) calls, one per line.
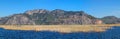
point(55, 17)
point(111, 20)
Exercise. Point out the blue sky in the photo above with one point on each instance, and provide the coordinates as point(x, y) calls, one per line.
point(97, 8)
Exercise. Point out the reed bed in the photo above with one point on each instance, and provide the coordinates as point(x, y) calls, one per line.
point(61, 28)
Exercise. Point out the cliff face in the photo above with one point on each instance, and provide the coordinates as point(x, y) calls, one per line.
point(45, 17)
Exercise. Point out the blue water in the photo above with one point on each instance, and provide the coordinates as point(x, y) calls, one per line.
point(113, 33)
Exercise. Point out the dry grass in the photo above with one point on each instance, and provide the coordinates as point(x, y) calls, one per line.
point(61, 28)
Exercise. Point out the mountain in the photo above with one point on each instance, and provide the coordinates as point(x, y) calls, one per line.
point(54, 17)
point(58, 16)
point(111, 20)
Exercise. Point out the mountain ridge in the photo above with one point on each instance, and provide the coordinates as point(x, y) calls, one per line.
point(54, 17)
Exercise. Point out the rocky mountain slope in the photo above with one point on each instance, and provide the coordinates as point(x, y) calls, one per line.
point(19, 19)
point(54, 17)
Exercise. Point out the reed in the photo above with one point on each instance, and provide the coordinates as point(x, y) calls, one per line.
point(61, 28)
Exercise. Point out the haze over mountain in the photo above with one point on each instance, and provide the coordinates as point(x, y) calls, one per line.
point(55, 17)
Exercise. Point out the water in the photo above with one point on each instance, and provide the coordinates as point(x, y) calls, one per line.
point(113, 33)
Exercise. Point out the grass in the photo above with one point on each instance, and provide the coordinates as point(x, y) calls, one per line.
point(61, 28)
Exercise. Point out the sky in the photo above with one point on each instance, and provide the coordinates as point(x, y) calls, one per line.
point(97, 8)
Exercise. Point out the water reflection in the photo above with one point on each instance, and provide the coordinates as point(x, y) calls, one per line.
point(113, 33)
